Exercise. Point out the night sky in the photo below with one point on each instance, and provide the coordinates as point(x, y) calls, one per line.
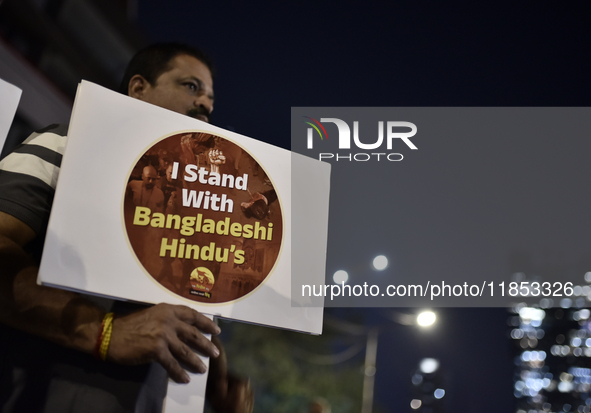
point(271, 56)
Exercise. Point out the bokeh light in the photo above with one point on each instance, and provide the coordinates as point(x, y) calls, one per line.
point(380, 262)
point(429, 365)
point(340, 277)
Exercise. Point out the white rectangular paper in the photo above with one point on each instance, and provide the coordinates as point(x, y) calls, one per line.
point(187, 398)
point(190, 397)
point(10, 95)
point(87, 246)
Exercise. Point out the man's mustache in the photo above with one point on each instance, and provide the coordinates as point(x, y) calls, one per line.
point(197, 112)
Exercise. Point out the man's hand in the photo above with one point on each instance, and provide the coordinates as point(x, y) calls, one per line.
point(216, 158)
point(165, 334)
point(226, 392)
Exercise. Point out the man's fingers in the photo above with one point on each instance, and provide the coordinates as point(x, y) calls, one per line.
point(187, 357)
point(172, 366)
point(196, 340)
point(190, 316)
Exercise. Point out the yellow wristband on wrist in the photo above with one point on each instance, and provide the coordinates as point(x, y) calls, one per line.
point(106, 336)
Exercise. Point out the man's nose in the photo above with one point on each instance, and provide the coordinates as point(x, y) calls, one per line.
point(204, 102)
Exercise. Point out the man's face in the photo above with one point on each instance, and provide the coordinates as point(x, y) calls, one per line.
point(149, 176)
point(186, 88)
point(169, 173)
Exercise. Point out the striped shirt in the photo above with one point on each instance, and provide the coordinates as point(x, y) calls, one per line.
point(28, 177)
point(37, 375)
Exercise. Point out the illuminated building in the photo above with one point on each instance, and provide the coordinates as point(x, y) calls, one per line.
point(553, 355)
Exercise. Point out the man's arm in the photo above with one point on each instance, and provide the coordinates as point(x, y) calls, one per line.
point(162, 333)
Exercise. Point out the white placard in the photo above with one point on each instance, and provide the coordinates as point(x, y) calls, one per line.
point(10, 95)
point(88, 246)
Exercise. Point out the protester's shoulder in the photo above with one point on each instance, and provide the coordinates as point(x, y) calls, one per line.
point(52, 137)
point(39, 156)
point(135, 185)
point(28, 176)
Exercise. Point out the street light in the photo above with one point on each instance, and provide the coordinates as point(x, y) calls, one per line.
point(426, 318)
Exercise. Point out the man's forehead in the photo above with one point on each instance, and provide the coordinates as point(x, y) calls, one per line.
point(184, 64)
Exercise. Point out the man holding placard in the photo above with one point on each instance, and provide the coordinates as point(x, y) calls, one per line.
point(56, 375)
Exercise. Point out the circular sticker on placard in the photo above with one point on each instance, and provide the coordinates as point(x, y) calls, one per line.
point(202, 217)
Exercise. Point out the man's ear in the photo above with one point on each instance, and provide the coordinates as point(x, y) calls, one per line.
point(137, 87)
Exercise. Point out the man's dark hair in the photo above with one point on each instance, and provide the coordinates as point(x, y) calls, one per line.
point(154, 60)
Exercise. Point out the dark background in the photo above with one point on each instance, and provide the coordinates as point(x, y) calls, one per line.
point(271, 57)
